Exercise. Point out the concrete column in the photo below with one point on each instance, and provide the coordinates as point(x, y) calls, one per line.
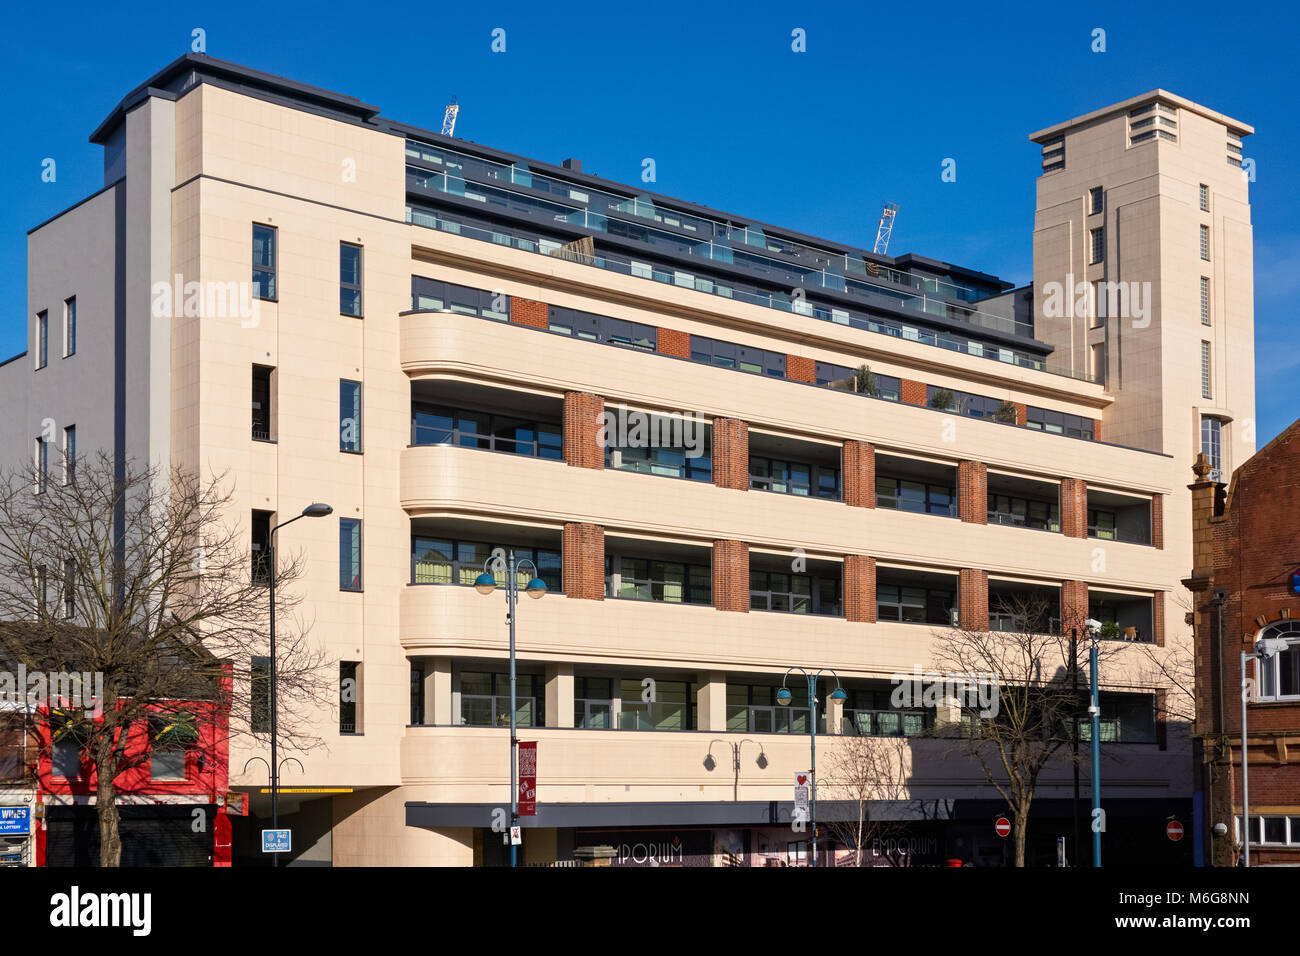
point(859, 463)
point(973, 492)
point(834, 709)
point(559, 694)
point(437, 692)
point(711, 701)
point(731, 454)
point(731, 576)
point(973, 599)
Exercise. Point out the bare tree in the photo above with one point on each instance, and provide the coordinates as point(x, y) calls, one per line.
point(1036, 708)
point(864, 770)
point(142, 578)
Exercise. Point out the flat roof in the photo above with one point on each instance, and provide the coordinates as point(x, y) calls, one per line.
point(1234, 126)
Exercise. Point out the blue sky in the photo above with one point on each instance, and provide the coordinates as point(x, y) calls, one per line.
point(733, 118)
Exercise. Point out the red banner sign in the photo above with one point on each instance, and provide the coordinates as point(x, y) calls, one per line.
point(528, 778)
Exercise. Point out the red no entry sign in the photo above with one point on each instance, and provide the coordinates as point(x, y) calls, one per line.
point(1002, 827)
point(1174, 831)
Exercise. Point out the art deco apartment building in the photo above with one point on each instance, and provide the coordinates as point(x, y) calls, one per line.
point(440, 327)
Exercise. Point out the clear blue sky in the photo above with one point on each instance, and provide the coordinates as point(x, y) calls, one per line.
point(732, 117)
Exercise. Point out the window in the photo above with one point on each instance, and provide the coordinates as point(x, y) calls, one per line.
point(70, 326)
point(264, 259)
point(1205, 198)
point(349, 554)
point(601, 328)
point(42, 347)
point(1101, 524)
point(1205, 301)
point(443, 425)
point(794, 478)
point(42, 464)
point(69, 454)
point(167, 765)
point(349, 694)
point(1280, 674)
point(1205, 243)
point(434, 295)
point(454, 561)
point(796, 593)
point(753, 708)
point(1124, 719)
point(886, 386)
point(349, 415)
point(913, 605)
point(658, 455)
point(1098, 250)
point(1094, 200)
point(1271, 829)
point(1097, 358)
point(916, 496)
point(260, 696)
point(261, 547)
point(1205, 370)
point(263, 420)
point(69, 588)
point(743, 357)
point(642, 579)
point(67, 756)
point(349, 279)
point(485, 700)
point(1058, 423)
point(417, 695)
point(171, 737)
point(1024, 512)
point(1212, 446)
point(963, 403)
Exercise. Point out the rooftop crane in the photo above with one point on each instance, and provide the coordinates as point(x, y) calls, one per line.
point(449, 118)
point(885, 228)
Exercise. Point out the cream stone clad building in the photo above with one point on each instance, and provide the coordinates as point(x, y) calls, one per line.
point(430, 335)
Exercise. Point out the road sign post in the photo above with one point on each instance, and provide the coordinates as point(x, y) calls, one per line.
point(1002, 827)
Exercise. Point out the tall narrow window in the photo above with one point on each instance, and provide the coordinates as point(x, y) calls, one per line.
point(41, 464)
point(1206, 391)
point(1212, 446)
point(261, 545)
point(1205, 243)
point(1205, 198)
point(1094, 197)
point(1205, 301)
point(70, 326)
point(1098, 251)
point(264, 262)
point(349, 279)
point(263, 422)
point(260, 687)
point(70, 454)
point(349, 695)
point(42, 346)
point(349, 554)
point(349, 415)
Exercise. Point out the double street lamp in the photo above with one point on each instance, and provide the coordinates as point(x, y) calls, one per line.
point(486, 583)
point(315, 510)
point(783, 697)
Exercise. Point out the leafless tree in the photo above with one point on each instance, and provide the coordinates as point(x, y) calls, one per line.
point(864, 770)
point(144, 577)
point(1036, 705)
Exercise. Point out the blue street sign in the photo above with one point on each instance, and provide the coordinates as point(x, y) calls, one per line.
point(15, 820)
point(276, 841)
point(1295, 580)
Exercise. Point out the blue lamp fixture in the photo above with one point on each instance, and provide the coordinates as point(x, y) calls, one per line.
point(783, 697)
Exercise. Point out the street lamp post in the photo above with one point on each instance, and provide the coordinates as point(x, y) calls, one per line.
point(315, 510)
point(1095, 710)
point(783, 696)
point(486, 583)
point(1265, 650)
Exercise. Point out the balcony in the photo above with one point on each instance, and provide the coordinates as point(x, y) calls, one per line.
point(468, 415)
point(1020, 502)
point(916, 486)
point(791, 466)
point(1113, 516)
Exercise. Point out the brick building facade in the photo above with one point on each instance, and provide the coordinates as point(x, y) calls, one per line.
point(1245, 551)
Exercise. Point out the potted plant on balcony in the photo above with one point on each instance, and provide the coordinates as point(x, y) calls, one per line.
point(1006, 413)
point(864, 380)
point(942, 400)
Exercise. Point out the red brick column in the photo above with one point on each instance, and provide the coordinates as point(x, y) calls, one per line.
point(583, 418)
point(584, 561)
point(1074, 607)
point(528, 312)
point(973, 599)
point(731, 454)
point(973, 492)
point(800, 368)
point(1074, 508)
point(731, 576)
point(859, 479)
point(1022, 413)
point(1158, 521)
point(913, 393)
point(674, 342)
point(860, 588)
point(1096, 429)
point(1158, 618)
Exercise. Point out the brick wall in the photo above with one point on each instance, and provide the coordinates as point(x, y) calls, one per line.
point(973, 492)
point(584, 561)
point(913, 393)
point(731, 454)
point(973, 599)
point(1074, 508)
point(1074, 607)
point(1096, 429)
point(674, 342)
point(860, 588)
point(859, 463)
point(582, 424)
point(800, 368)
point(731, 576)
point(1158, 521)
point(527, 312)
point(1158, 618)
